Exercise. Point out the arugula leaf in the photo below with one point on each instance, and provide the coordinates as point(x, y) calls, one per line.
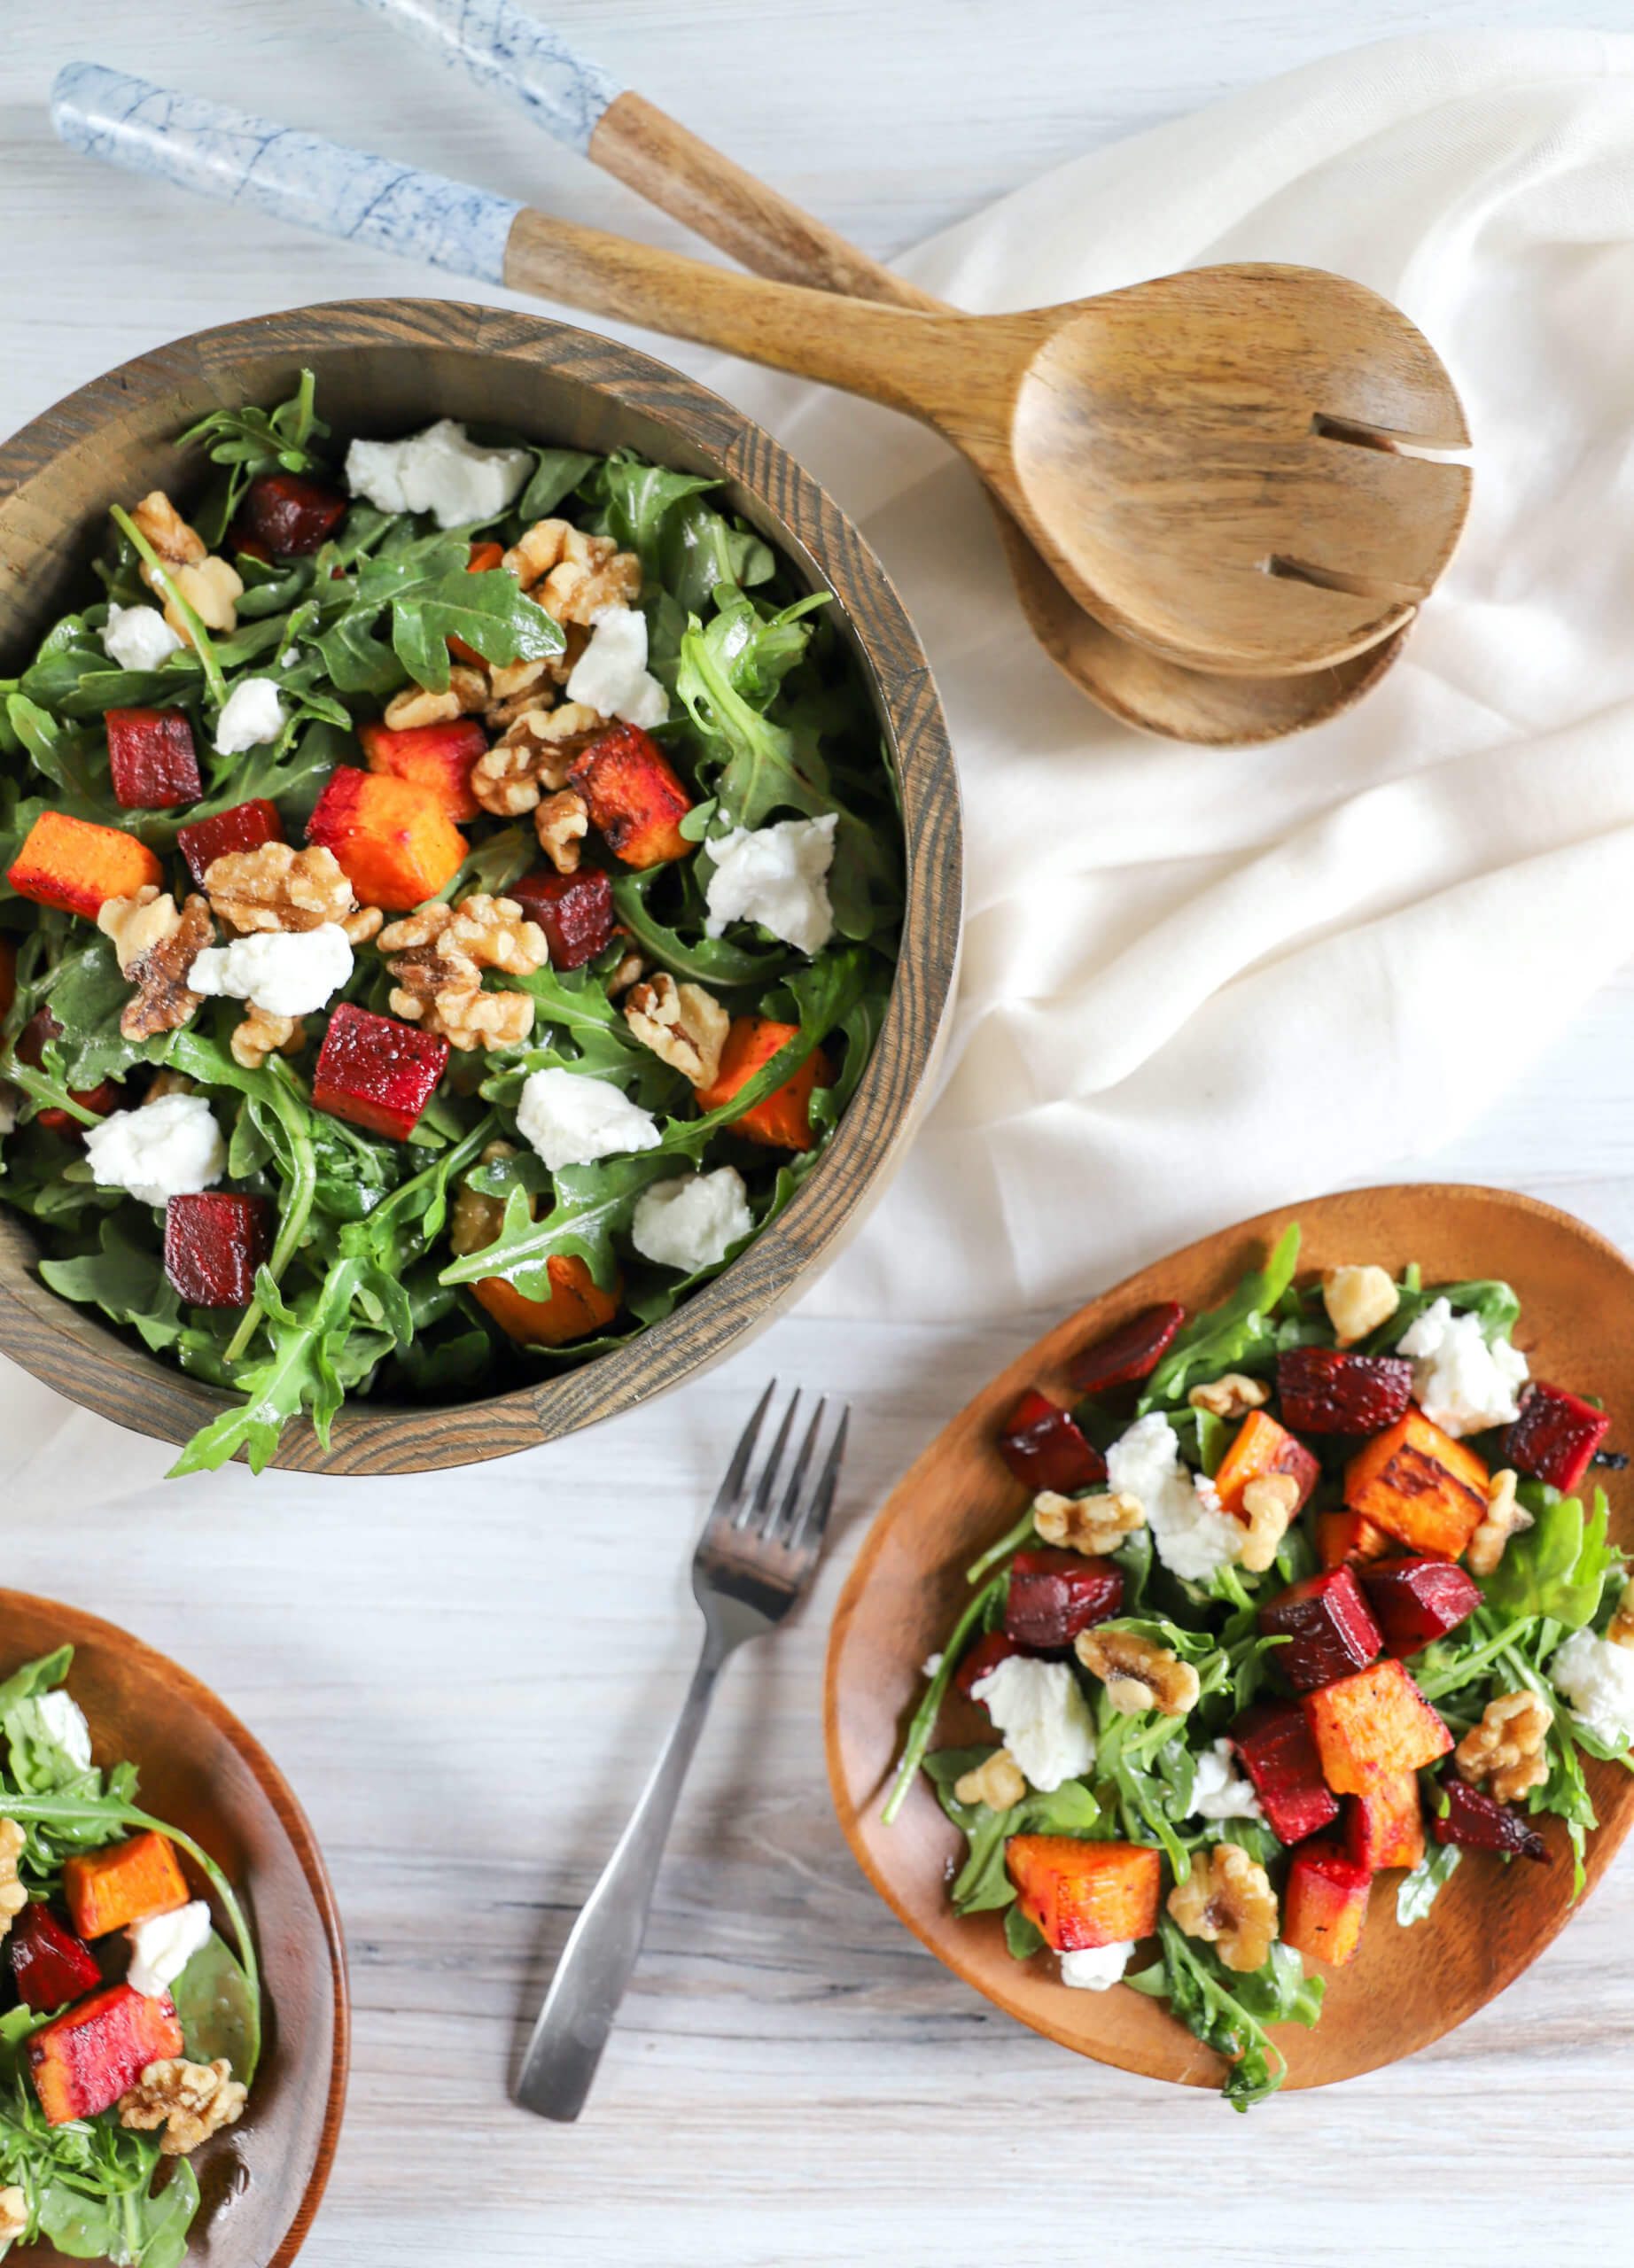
point(982, 1884)
point(125, 1278)
point(490, 611)
point(694, 959)
point(1228, 2012)
point(1418, 1890)
point(1559, 1566)
point(1229, 1337)
point(556, 476)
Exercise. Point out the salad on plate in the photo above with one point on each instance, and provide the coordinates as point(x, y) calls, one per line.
point(451, 890)
point(1311, 1590)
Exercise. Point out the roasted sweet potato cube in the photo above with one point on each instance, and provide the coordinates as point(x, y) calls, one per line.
point(392, 839)
point(1385, 1827)
point(575, 911)
point(781, 1120)
point(215, 1241)
point(1054, 1595)
point(77, 866)
point(1555, 1436)
point(245, 827)
point(1371, 1725)
point(125, 1883)
point(50, 1964)
point(438, 756)
point(577, 1309)
point(1262, 1447)
point(150, 758)
point(1325, 1903)
point(1348, 1538)
point(1327, 1625)
point(1275, 1749)
point(1084, 1894)
point(1046, 1448)
point(376, 1072)
point(634, 796)
point(1421, 1486)
point(86, 2059)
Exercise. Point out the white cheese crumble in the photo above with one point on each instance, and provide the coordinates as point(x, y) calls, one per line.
point(777, 876)
point(288, 658)
point(161, 1947)
point(930, 1665)
point(1218, 1789)
point(572, 1119)
point(138, 637)
point(1039, 1710)
point(612, 676)
point(692, 1222)
point(1598, 1679)
point(251, 714)
point(169, 1148)
point(9, 1105)
point(442, 471)
point(1192, 1536)
point(65, 1723)
point(1093, 1970)
point(286, 972)
point(1460, 1382)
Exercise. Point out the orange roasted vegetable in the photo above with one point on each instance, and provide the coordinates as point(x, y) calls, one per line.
point(1421, 1486)
point(129, 1882)
point(394, 842)
point(1084, 1894)
point(1372, 1725)
point(1345, 1538)
point(577, 1309)
point(633, 796)
point(1325, 1903)
point(86, 2059)
point(1385, 1827)
point(438, 756)
point(77, 866)
point(1263, 1447)
point(782, 1120)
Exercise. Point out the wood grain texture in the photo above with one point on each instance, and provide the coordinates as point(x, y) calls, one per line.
point(391, 365)
point(203, 1773)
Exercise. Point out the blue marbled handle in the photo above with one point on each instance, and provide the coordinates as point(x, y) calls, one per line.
point(512, 54)
point(299, 177)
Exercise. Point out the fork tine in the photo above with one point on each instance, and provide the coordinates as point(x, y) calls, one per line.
point(729, 1494)
point(755, 1511)
point(784, 1520)
point(809, 1525)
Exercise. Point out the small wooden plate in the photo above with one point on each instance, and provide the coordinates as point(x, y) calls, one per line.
point(263, 2179)
point(1405, 1988)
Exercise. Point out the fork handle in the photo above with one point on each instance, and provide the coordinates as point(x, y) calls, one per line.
point(605, 1942)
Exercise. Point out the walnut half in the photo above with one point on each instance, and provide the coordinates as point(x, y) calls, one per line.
point(1507, 1749)
point(1091, 1525)
point(684, 1025)
point(191, 2102)
point(1137, 1672)
point(13, 1897)
point(156, 944)
point(1228, 1902)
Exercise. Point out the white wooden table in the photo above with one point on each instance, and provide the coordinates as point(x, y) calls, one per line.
point(466, 1676)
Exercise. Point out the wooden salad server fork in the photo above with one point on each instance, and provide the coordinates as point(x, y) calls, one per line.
point(1198, 457)
point(509, 52)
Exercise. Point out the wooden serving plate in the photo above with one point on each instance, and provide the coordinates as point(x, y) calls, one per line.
point(1405, 1988)
point(263, 2179)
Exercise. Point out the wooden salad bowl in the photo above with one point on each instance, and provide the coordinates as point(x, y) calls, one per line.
point(262, 2182)
point(1405, 1988)
point(386, 366)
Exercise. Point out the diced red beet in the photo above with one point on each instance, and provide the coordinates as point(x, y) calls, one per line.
point(1416, 1601)
point(1555, 1436)
point(989, 1651)
point(1275, 1749)
point(245, 827)
point(85, 2060)
point(285, 513)
point(1477, 1822)
point(102, 1098)
point(575, 912)
point(1131, 1352)
point(50, 1964)
point(1330, 1627)
point(1326, 1390)
point(376, 1072)
point(151, 758)
point(1054, 1595)
point(1044, 1446)
point(215, 1241)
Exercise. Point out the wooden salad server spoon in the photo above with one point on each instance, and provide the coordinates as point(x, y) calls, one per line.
point(1198, 455)
point(507, 52)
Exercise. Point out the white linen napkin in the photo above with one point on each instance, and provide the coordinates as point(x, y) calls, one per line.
point(1197, 981)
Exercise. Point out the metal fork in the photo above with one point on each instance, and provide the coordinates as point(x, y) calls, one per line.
point(754, 1560)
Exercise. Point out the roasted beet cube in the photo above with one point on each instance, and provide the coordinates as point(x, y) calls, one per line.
point(574, 910)
point(214, 1243)
point(86, 2060)
point(1044, 1446)
point(989, 1651)
point(1323, 1390)
point(151, 757)
point(50, 1964)
point(1275, 1749)
point(1129, 1353)
point(245, 827)
point(1328, 1626)
point(1477, 1822)
point(1416, 1601)
point(286, 514)
point(376, 1072)
point(1555, 1436)
point(1054, 1595)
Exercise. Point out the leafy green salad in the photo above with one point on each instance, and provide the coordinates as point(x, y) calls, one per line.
point(1309, 1591)
point(451, 892)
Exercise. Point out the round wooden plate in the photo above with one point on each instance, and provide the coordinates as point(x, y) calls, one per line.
point(1405, 1988)
point(262, 2180)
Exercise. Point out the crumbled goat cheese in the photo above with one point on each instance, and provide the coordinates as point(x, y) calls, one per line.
point(253, 714)
point(138, 637)
point(930, 1665)
point(1039, 1710)
point(1093, 1970)
point(286, 972)
point(1461, 1382)
point(572, 1119)
point(161, 1947)
point(776, 876)
point(1194, 1537)
point(169, 1148)
point(8, 1107)
point(692, 1222)
point(1598, 1679)
point(612, 676)
point(1218, 1789)
point(65, 1723)
point(442, 471)
point(288, 658)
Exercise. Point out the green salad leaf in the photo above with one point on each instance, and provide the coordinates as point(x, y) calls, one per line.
point(1559, 1565)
